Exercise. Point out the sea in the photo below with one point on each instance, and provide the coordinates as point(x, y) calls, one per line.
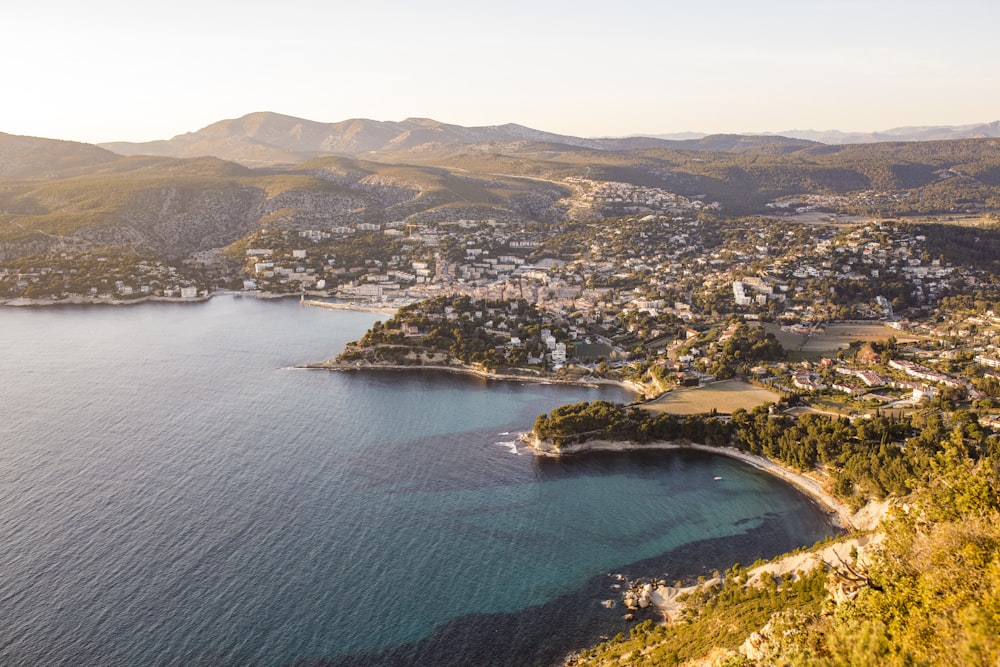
point(174, 491)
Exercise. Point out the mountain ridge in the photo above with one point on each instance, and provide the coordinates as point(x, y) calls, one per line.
point(263, 138)
point(67, 195)
point(908, 133)
point(266, 138)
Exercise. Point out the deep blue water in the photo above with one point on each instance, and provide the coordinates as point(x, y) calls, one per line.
point(173, 492)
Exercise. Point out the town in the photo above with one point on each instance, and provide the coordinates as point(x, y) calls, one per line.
point(649, 286)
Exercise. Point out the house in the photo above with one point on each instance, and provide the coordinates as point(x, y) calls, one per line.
point(559, 354)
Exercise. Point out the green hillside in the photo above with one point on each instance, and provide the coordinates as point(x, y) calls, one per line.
point(73, 195)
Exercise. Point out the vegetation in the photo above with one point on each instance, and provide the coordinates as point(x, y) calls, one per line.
point(105, 272)
point(62, 188)
point(866, 458)
point(929, 593)
point(474, 332)
point(744, 348)
point(717, 616)
point(724, 397)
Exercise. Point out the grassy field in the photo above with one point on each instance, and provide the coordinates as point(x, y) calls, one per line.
point(724, 397)
point(833, 337)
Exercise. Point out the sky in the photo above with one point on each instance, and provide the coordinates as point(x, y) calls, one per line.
point(117, 70)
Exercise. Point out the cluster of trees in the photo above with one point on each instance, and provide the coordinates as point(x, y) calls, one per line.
point(747, 347)
point(589, 419)
point(976, 247)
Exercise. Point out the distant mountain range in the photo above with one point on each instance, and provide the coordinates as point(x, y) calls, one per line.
point(836, 137)
point(265, 138)
point(269, 138)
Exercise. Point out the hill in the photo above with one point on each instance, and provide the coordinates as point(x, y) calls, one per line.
point(837, 137)
point(171, 207)
point(57, 195)
point(32, 157)
point(269, 138)
point(911, 133)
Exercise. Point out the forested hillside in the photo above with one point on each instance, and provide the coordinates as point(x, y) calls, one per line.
point(67, 196)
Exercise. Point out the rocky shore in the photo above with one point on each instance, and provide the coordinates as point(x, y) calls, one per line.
point(515, 375)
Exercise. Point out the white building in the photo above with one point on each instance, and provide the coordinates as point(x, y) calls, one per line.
point(559, 354)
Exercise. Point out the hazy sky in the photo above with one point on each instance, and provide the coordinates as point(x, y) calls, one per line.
point(107, 70)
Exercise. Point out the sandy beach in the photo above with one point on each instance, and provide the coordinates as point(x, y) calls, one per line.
point(360, 307)
point(667, 598)
point(843, 515)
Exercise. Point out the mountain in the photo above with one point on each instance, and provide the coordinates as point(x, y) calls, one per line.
point(65, 196)
point(32, 157)
point(270, 138)
point(171, 207)
point(266, 138)
point(913, 133)
point(837, 137)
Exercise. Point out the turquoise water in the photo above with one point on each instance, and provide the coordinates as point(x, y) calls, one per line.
point(172, 491)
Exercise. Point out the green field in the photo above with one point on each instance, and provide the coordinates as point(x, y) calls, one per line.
point(724, 397)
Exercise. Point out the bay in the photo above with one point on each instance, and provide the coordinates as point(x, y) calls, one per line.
point(174, 491)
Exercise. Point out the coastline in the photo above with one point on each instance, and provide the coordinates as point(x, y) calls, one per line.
point(473, 372)
point(87, 300)
point(81, 300)
point(365, 308)
point(841, 514)
point(669, 599)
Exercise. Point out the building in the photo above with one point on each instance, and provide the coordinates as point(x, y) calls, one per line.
point(559, 354)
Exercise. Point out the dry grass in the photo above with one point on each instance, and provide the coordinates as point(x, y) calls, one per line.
point(724, 397)
point(834, 337)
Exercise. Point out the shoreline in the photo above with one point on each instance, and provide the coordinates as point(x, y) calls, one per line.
point(81, 300)
point(86, 300)
point(365, 308)
point(474, 372)
point(841, 514)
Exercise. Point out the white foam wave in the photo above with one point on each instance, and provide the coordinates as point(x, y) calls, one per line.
point(511, 444)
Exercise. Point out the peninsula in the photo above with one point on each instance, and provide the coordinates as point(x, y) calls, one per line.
point(496, 340)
